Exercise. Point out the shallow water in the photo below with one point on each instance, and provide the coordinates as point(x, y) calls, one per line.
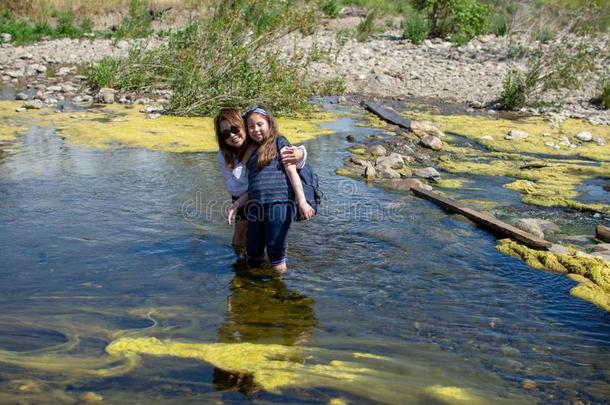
point(98, 245)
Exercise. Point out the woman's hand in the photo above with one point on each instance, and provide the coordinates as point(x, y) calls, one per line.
point(231, 212)
point(291, 155)
point(306, 211)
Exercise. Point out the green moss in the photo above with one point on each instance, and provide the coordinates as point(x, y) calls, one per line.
point(592, 273)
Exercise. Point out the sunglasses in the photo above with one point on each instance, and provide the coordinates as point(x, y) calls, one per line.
point(226, 133)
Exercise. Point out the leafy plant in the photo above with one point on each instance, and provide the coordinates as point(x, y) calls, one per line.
point(331, 8)
point(415, 28)
point(137, 23)
point(367, 27)
point(513, 91)
point(227, 58)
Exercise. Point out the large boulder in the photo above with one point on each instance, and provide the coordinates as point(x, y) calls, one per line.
point(584, 136)
point(422, 128)
point(33, 104)
point(432, 142)
point(393, 161)
point(529, 225)
point(385, 172)
point(428, 173)
point(377, 150)
point(602, 233)
point(106, 95)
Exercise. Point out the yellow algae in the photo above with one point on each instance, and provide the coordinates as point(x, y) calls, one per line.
point(589, 291)
point(123, 125)
point(453, 395)
point(480, 204)
point(337, 401)
point(357, 150)
point(595, 270)
point(538, 129)
point(451, 183)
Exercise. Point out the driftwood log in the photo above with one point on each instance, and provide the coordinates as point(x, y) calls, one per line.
point(387, 114)
point(602, 233)
point(484, 220)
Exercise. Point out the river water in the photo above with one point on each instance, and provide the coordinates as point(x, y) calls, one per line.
point(98, 244)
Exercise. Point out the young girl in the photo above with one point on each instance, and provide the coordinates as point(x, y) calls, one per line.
point(233, 153)
point(273, 188)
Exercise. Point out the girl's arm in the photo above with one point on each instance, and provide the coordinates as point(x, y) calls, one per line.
point(235, 206)
point(305, 209)
point(249, 151)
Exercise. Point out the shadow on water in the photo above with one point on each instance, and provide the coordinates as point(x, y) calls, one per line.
point(99, 246)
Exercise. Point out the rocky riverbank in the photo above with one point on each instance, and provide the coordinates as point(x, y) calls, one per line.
point(386, 66)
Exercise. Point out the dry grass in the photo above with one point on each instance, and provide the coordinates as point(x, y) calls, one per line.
point(42, 9)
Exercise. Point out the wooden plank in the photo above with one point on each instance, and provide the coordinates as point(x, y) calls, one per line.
point(484, 220)
point(602, 233)
point(387, 114)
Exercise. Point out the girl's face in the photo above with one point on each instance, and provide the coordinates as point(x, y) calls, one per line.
point(233, 135)
point(258, 127)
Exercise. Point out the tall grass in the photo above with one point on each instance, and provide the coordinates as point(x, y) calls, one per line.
point(228, 58)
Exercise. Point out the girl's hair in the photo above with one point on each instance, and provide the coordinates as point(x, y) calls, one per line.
point(234, 118)
point(267, 149)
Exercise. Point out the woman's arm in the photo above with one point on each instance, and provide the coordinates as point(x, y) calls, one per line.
point(294, 155)
point(249, 151)
point(305, 209)
point(235, 206)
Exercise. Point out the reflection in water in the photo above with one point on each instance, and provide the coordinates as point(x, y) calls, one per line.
point(264, 311)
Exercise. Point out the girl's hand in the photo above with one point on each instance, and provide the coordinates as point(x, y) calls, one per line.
point(290, 155)
point(306, 211)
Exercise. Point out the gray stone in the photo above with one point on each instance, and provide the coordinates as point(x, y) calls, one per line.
point(529, 225)
point(377, 150)
point(369, 172)
point(601, 248)
point(427, 173)
point(21, 96)
point(406, 184)
point(515, 134)
point(432, 142)
point(151, 109)
point(422, 128)
point(53, 89)
point(20, 109)
point(584, 136)
point(357, 160)
point(64, 71)
point(548, 227)
point(6, 37)
point(33, 104)
point(393, 161)
point(350, 138)
point(106, 95)
point(563, 140)
point(387, 172)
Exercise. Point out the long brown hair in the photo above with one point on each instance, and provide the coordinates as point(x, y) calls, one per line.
point(267, 149)
point(230, 153)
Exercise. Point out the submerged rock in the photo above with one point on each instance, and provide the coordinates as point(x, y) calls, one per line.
point(407, 184)
point(427, 173)
point(392, 161)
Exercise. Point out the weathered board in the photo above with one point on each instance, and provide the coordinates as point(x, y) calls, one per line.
point(484, 220)
point(387, 114)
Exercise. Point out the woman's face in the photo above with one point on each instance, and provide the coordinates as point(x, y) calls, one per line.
point(258, 127)
point(233, 135)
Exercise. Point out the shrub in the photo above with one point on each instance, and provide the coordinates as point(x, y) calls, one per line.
point(136, 24)
point(604, 98)
point(227, 58)
point(459, 20)
point(415, 28)
point(331, 8)
point(498, 24)
point(513, 95)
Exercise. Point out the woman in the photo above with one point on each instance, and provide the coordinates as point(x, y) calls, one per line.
point(234, 150)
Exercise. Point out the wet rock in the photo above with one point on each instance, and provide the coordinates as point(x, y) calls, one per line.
point(392, 161)
point(530, 225)
point(377, 150)
point(422, 128)
point(602, 233)
point(432, 142)
point(387, 173)
point(21, 96)
point(515, 134)
point(370, 172)
point(5, 37)
point(350, 138)
point(601, 248)
point(106, 95)
point(529, 384)
point(357, 160)
point(407, 184)
point(428, 173)
point(33, 104)
point(584, 136)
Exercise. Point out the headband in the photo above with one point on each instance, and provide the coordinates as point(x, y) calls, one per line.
point(255, 109)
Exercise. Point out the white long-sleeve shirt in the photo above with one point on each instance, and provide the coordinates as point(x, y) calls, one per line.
point(236, 180)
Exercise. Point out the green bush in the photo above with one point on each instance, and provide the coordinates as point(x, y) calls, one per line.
point(458, 20)
point(228, 58)
point(513, 95)
point(331, 8)
point(415, 28)
point(498, 24)
point(137, 23)
point(604, 98)
point(24, 32)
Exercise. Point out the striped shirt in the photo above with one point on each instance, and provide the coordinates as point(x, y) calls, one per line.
point(270, 183)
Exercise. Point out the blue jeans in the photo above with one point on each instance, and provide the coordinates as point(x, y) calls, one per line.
point(268, 226)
